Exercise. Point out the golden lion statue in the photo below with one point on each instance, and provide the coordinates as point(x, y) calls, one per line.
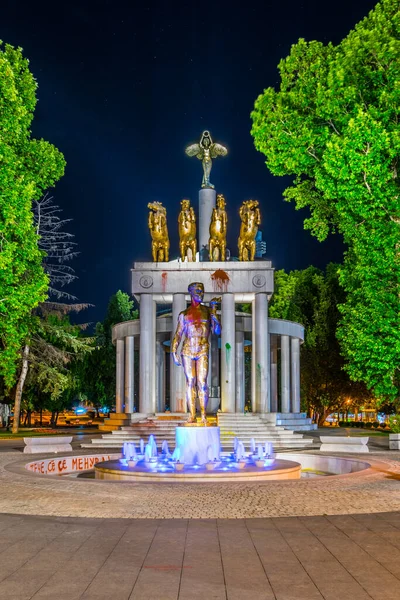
point(159, 232)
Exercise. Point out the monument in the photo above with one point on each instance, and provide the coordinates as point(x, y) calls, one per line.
point(213, 366)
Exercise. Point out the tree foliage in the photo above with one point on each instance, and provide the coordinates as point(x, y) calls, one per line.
point(334, 126)
point(311, 297)
point(98, 368)
point(27, 167)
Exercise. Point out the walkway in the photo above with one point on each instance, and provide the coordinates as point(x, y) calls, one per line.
point(308, 558)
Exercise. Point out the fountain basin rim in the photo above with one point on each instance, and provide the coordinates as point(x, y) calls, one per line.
point(282, 469)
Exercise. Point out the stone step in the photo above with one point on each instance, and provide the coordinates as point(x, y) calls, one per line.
point(301, 415)
point(294, 421)
point(251, 428)
point(225, 447)
point(224, 442)
point(311, 427)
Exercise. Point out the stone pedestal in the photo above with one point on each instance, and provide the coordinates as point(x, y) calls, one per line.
point(394, 441)
point(194, 442)
point(207, 201)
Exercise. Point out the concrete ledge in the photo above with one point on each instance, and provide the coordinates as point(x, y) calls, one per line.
point(344, 444)
point(394, 441)
point(39, 445)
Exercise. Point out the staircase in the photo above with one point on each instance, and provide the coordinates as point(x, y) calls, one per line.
point(295, 421)
point(250, 425)
point(115, 421)
point(244, 427)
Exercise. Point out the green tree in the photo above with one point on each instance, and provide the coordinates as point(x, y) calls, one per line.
point(27, 167)
point(333, 125)
point(97, 372)
point(311, 297)
point(56, 347)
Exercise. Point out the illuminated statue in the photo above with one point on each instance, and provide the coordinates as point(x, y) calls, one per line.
point(159, 232)
point(195, 325)
point(251, 218)
point(217, 241)
point(187, 231)
point(205, 150)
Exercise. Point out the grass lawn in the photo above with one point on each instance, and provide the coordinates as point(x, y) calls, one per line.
point(7, 435)
point(356, 432)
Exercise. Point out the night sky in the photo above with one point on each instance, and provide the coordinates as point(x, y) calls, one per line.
point(125, 86)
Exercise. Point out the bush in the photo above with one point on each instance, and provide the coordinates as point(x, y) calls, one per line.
point(353, 424)
point(362, 424)
point(368, 425)
point(375, 424)
point(394, 423)
point(342, 424)
point(383, 425)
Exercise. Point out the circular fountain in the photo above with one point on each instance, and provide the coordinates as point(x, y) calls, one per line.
point(196, 458)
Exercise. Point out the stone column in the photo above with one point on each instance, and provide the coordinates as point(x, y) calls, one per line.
point(285, 374)
point(253, 357)
point(274, 372)
point(214, 366)
point(262, 354)
point(177, 375)
point(207, 201)
point(295, 374)
point(147, 395)
point(119, 391)
point(160, 383)
point(228, 353)
point(129, 372)
point(239, 357)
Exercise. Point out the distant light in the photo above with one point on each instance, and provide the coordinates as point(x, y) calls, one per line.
point(80, 410)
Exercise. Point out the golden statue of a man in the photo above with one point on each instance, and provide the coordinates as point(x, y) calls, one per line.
point(195, 325)
point(217, 241)
point(187, 232)
point(251, 218)
point(205, 150)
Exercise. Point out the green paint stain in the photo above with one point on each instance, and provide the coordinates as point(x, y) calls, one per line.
point(228, 348)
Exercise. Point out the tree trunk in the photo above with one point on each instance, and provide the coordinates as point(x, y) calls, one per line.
point(321, 418)
point(20, 387)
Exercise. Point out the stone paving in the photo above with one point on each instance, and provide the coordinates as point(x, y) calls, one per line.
point(288, 558)
point(376, 490)
point(329, 538)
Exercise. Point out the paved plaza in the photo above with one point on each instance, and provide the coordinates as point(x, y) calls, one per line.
point(67, 538)
point(290, 558)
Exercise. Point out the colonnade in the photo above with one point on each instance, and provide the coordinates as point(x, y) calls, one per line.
point(272, 340)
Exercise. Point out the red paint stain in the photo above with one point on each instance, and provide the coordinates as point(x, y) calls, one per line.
point(220, 280)
point(164, 281)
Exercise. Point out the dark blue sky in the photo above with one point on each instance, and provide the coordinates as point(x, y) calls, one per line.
point(124, 86)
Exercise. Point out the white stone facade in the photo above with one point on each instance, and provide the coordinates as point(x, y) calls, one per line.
point(270, 340)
